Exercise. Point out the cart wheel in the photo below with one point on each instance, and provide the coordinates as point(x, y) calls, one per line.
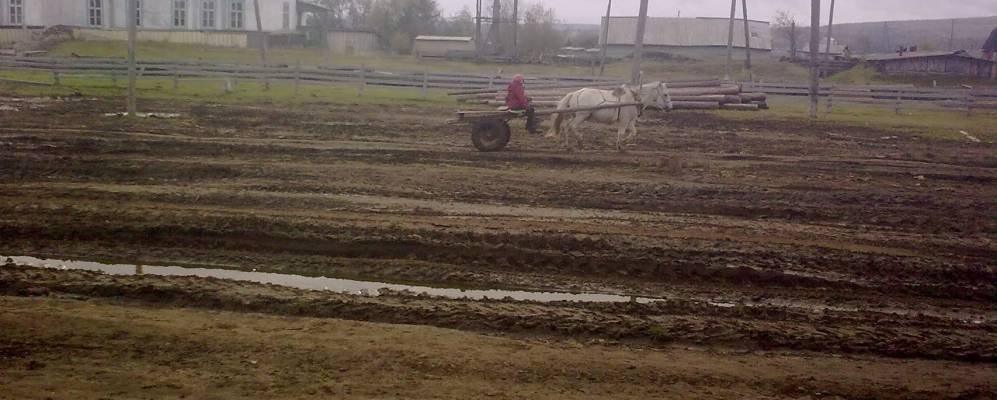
point(491, 135)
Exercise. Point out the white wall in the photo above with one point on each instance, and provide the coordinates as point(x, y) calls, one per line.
point(689, 32)
point(156, 14)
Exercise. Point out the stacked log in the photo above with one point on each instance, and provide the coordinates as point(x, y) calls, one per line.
point(685, 95)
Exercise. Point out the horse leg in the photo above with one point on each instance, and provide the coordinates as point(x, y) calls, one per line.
point(632, 137)
point(566, 133)
point(621, 131)
point(575, 124)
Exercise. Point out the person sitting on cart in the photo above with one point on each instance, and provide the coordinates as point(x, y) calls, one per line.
point(517, 100)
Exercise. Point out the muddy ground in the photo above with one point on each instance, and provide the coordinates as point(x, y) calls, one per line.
point(774, 239)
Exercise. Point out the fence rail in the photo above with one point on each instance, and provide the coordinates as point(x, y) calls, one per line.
point(899, 96)
point(363, 75)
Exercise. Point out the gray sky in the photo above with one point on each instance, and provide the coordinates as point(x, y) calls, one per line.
point(590, 11)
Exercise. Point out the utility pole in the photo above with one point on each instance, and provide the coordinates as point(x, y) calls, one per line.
point(792, 39)
point(639, 42)
point(814, 49)
point(496, 30)
point(730, 40)
point(747, 41)
point(605, 39)
point(830, 29)
point(263, 43)
point(477, 31)
point(952, 37)
point(24, 15)
point(886, 38)
point(515, 29)
point(130, 17)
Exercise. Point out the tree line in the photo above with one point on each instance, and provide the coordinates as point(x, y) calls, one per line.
point(398, 22)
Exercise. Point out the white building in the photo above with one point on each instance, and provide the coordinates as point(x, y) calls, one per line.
point(690, 37)
point(210, 22)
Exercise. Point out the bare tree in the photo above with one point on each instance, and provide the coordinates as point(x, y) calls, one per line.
point(784, 26)
point(539, 34)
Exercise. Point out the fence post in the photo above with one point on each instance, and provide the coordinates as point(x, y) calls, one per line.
point(969, 103)
point(176, 76)
point(899, 100)
point(55, 77)
point(297, 76)
point(227, 85)
point(363, 80)
point(830, 99)
point(425, 85)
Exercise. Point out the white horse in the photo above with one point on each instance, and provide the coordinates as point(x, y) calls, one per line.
point(649, 95)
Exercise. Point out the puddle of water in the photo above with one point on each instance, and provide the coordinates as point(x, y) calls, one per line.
point(362, 288)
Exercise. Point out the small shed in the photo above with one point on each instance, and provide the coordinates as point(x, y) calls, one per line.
point(958, 63)
point(442, 46)
point(351, 42)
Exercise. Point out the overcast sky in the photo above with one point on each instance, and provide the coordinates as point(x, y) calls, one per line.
point(590, 11)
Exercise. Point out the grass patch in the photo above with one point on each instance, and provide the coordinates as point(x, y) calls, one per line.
point(210, 91)
point(925, 122)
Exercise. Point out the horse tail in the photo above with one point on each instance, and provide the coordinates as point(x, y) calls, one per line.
point(559, 117)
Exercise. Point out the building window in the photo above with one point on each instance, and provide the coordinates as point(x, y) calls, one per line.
point(287, 15)
point(17, 12)
point(236, 14)
point(95, 12)
point(208, 14)
point(138, 12)
point(180, 13)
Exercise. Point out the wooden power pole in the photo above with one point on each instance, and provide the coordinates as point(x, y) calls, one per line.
point(259, 30)
point(730, 40)
point(814, 49)
point(24, 15)
point(605, 39)
point(830, 30)
point(747, 41)
point(515, 29)
point(131, 106)
point(639, 42)
point(477, 31)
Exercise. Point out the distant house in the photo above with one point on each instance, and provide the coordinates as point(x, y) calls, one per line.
point(689, 37)
point(443, 46)
point(951, 63)
point(349, 42)
point(181, 21)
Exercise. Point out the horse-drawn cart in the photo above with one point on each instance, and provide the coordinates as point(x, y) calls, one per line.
point(490, 130)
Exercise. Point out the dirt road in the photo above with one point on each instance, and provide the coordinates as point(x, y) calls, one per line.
point(779, 237)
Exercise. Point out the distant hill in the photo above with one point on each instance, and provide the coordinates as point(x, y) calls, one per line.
point(884, 37)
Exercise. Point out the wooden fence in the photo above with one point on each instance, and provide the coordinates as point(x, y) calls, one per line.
point(360, 76)
point(896, 96)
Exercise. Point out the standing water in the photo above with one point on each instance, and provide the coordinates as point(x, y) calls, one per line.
point(365, 288)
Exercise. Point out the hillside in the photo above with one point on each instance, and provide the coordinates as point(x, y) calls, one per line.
point(879, 37)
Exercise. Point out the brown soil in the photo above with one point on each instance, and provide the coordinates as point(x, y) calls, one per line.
point(832, 240)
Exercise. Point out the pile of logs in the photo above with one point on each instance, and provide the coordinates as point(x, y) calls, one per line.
point(686, 95)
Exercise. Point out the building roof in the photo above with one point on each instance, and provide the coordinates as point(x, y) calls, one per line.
point(444, 38)
point(919, 54)
point(991, 44)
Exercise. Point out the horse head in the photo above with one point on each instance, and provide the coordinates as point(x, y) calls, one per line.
point(656, 95)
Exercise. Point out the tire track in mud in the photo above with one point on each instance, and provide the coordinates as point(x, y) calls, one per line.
point(654, 323)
